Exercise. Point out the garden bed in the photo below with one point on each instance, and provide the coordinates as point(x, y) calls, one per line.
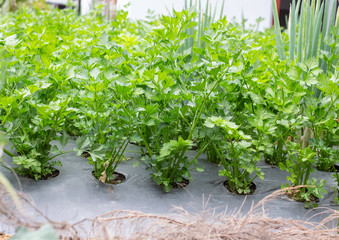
point(170, 85)
point(75, 194)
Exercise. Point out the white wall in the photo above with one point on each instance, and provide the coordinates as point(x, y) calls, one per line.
point(250, 9)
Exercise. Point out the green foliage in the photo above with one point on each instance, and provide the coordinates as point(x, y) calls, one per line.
point(236, 154)
point(312, 45)
point(29, 106)
point(299, 167)
point(3, 179)
point(202, 21)
point(312, 40)
point(170, 166)
point(280, 46)
point(173, 83)
point(36, 101)
point(309, 34)
point(336, 188)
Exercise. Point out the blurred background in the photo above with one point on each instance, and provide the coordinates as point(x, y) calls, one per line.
point(247, 12)
point(234, 9)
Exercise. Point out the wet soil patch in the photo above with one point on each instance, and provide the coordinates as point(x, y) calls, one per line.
point(253, 187)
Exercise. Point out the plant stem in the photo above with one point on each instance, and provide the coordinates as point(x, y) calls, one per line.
point(55, 125)
point(234, 162)
point(60, 154)
point(121, 152)
point(8, 153)
point(307, 173)
point(196, 117)
point(3, 165)
point(221, 156)
point(138, 129)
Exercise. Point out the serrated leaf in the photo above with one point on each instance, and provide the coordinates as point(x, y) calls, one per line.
point(12, 40)
point(95, 72)
point(82, 143)
point(98, 153)
point(64, 139)
point(138, 91)
point(135, 138)
point(282, 166)
point(55, 149)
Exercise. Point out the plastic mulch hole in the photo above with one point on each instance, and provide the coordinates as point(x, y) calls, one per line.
point(252, 188)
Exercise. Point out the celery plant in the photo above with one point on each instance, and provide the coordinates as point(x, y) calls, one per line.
point(236, 154)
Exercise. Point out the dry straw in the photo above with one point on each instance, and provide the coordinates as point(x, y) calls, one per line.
point(122, 224)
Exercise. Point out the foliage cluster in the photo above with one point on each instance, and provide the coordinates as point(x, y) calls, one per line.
point(226, 93)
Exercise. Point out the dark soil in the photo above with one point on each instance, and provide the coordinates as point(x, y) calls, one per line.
point(181, 184)
point(85, 154)
point(54, 174)
point(269, 162)
point(293, 194)
point(118, 178)
point(328, 169)
point(253, 187)
point(139, 144)
point(194, 147)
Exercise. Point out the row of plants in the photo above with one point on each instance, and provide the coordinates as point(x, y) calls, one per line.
point(169, 85)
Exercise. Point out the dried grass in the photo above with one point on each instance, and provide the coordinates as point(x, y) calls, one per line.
point(4, 236)
point(207, 225)
point(122, 224)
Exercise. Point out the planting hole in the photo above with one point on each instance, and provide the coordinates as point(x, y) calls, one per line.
point(295, 195)
point(54, 174)
point(117, 178)
point(181, 184)
point(85, 154)
point(253, 187)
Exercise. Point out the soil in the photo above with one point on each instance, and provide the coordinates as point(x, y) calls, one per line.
point(139, 144)
point(85, 154)
point(253, 187)
point(328, 169)
point(181, 184)
point(292, 195)
point(118, 178)
point(267, 161)
point(194, 147)
point(54, 174)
